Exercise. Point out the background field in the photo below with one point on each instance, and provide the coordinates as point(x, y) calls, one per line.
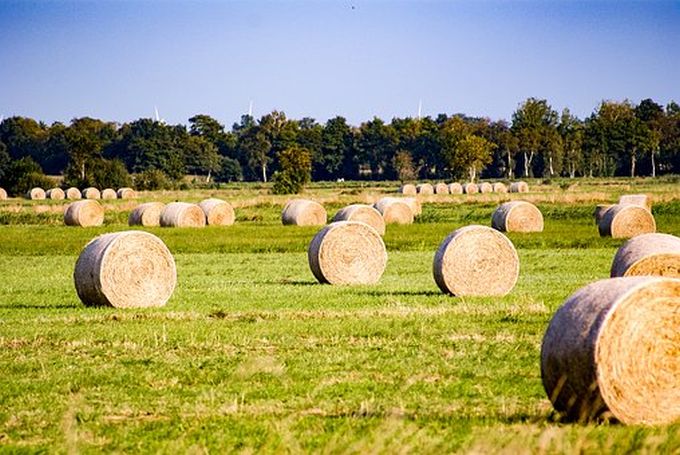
point(252, 354)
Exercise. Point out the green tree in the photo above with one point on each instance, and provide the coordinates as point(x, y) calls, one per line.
point(653, 116)
point(506, 148)
point(23, 174)
point(295, 170)
point(403, 164)
point(474, 152)
point(85, 140)
point(571, 130)
point(23, 137)
point(339, 159)
point(375, 145)
point(200, 156)
point(534, 124)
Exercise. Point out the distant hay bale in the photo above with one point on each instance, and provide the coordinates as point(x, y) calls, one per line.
point(470, 188)
point(408, 189)
point(519, 187)
point(73, 193)
point(56, 194)
point(36, 193)
point(364, 214)
point(612, 349)
point(626, 221)
point(303, 212)
point(517, 216)
point(394, 210)
point(600, 210)
point(441, 188)
point(182, 214)
point(126, 193)
point(476, 261)
point(129, 269)
point(85, 213)
point(109, 193)
point(499, 187)
point(455, 188)
point(485, 187)
point(3, 194)
point(91, 193)
point(641, 200)
point(218, 212)
point(648, 254)
point(347, 252)
point(147, 214)
point(414, 204)
point(425, 188)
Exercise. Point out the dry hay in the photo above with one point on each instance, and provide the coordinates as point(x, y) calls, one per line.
point(641, 200)
point(485, 187)
point(519, 187)
point(126, 193)
point(36, 193)
point(455, 188)
point(109, 193)
point(3, 194)
point(517, 216)
point(91, 193)
point(218, 212)
point(599, 212)
point(441, 188)
point(414, 204)
point(347, 252)
point(73, 193)
point(182, 214)
point(408, 188)
point(470, 188)
point(147, 214)
point(395, 210)
point(56, 194)
point(364, 214)
point(303, 212)
point(499, 187)
point(129, 269)
point(476, 261)
point(86, 213)
point(626, 221)
point(613, 349)
point(425, 188)
point(648, 254)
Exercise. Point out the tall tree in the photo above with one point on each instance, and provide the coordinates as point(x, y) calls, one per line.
point(534, 124)
point(23, 137)
point(376, 145)
point(571, 131)
point(86, 139)
point(338, 155)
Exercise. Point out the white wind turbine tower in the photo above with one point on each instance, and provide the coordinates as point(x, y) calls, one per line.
point(420, 107)
point(250, 109)
point(158, 117)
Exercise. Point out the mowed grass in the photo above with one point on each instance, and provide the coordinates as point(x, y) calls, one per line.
point(251, 354)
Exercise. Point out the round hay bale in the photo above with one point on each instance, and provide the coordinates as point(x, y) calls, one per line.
point(648, 254)
point(414, 204)
point(73, 193)
point(517, 216)
point(626, 221)
point(147, 214)
point(86, 213)
point(129, 269)
point(476, 261)
point(599, 212)
point(641, 200)
point(470, 188)
point(3, 194)
point(408, 188)
point(394, 210)
point(613, 348)
point(109, 193)
point(455, 188)
point(36, 193)
point(91, 193)
point(347, 252)
point(441, 188)
point(56, 194)
point(364, 214)
point(303, 212)
point(182, 214)
point(126, 193)
point(425, 188)
point(519, 187)
point(499, 187)
point(218, 212)
point(485, 187)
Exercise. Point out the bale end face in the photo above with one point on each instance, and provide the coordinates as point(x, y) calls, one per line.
point(218, 212)
point(626, 221)
point(441, 188)
point(364, 214)
point(517, 216)
point(182, 214)
point(408, 189)
point(455, 188)
point(425, 189)
point(84, 213)
point(648, 254)
point(109, 193)
point(303, 212)
point(147, 214)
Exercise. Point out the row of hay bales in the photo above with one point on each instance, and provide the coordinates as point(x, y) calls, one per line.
point(464, 188)
point(57, 194)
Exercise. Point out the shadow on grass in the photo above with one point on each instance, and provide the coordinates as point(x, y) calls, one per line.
point(25, 306)
point(376, 293)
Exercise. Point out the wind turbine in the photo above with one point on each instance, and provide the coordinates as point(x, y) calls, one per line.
point(250, 109)
point(420, 107)
point(158, 117)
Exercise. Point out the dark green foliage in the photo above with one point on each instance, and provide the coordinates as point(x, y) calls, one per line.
point(230, 170)
point(102, 174)
point(152, 179)
point(22, 175)
point(295, 173)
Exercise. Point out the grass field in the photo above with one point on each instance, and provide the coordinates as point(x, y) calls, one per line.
point(251, 354)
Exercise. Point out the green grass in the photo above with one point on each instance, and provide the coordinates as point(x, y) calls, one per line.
point(251, 354)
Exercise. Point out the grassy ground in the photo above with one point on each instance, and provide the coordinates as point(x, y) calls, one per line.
point(251, 354)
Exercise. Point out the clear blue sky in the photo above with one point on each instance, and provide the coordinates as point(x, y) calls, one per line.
point(116, 60)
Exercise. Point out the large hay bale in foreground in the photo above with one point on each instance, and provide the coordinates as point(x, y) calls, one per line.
point(364, 214)
point(470, 188)
point(3, 194)
point(126, 193)
point(476, 261)
point(109, 193)
point(517, 216)
point(613, 347)
point(182, 214)
point(599, 212)
point(441, 188)
point(485, 187)
point(36, 193)
point(91, 193)
point(85, 213)
point(347, 252)
point(303, 212)
point(641, 200)
point(414, 204)
point(455, 188)
point(147, 214)
point(218, 212)
point(73, 193)
point(648, 254)
point(129, 269)
point(425, 188)
point(626, 221)
point(408, 189)
point(519, 187)
point(499, 187)
point(394, 210)
point(55, 194)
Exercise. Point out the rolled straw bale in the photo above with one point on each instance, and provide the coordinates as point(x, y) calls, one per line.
point(600, 210)
point(414, 204)
point(218, 212)
point(425, 188)
point(109, 193)
point(303, 212)
point(476, 261)
point(642, 200)
point(394, 210)
point(126, 193)
point(85, 213)
point(364, 214)
point(347, 252)
point(73, 193)
point(626, 221)
point(648, 254)
point(485, 187)
point(408, 188)
point(470, 188)
point(91, 193)
point(613, 348)
point(441, 188)
point(3, 194)
point(36, 193)
point(517, 216)
point(499, 187)
point(455, 188)
point(519, 187)
point(182, 214)
point(56, 194)
point(147, 214)
point(129, 269)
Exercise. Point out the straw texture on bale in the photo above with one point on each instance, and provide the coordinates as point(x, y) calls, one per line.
point(455, 188)
point(109, 193)
point(485, 187)
point(147, 214)
point(499, 187)
point(600, 210)
point(648, 254)
point(36, 193)
point(394, 210)
point(409, 189)
point(425, 188)
point(476, 261)
point(218, 212)
point(73, 193)
point(626, 221)
point(363, 214)
point(414, 204)
point(612, 349)
point(56, 194)
point(3, 194)
point(129, 269)
point(126, 193)
point(519, 187)
point(517, 216)
point(182, 214)
point(347, 252)
point(641, 200)
point(470, 188)
point(303, 212)
point(86, 213)
point(441, 188)
point(91, 193)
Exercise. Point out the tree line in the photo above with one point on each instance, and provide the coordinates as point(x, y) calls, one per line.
point(618, 138)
